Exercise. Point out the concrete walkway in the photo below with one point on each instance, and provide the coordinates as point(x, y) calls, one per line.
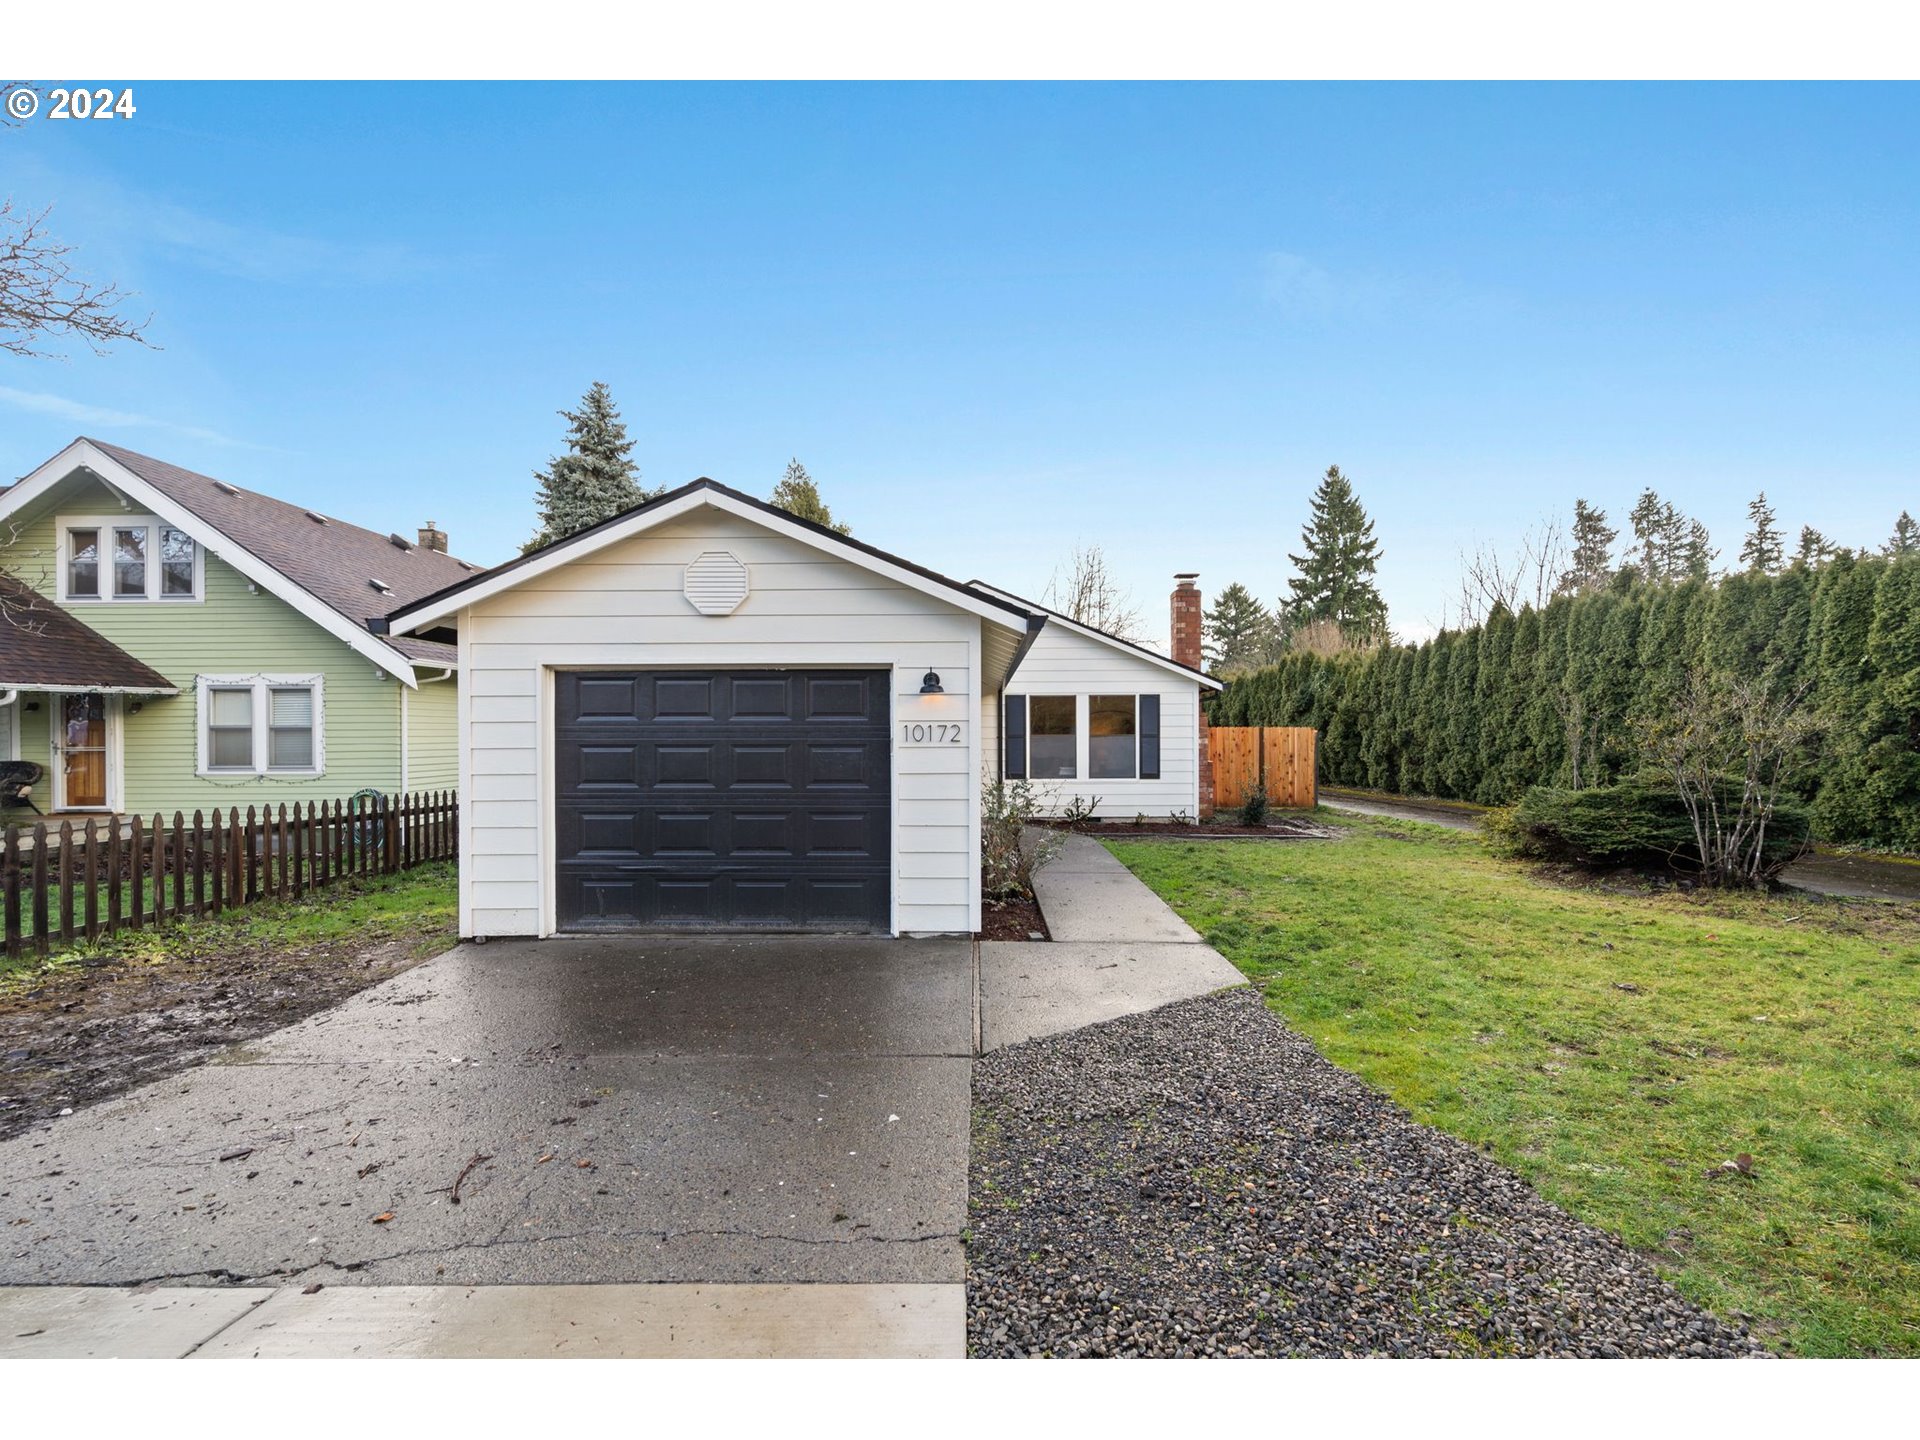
point(1117, 949)
point(492, 1322)
point(750, 1146)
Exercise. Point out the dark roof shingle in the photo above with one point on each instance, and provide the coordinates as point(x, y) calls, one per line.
point(42, 647)
point(331, 560)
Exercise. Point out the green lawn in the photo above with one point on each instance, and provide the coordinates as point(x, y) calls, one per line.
point(419, 905)
point(1612, 1045)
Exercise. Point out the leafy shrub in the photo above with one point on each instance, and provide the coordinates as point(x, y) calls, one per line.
point(1253, 805)
point(1009, 856)
point(1639, 823)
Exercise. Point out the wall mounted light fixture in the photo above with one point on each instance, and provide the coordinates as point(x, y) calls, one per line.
point(930, 684)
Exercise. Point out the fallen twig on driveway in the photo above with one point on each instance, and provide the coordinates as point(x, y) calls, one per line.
point(472, 1164)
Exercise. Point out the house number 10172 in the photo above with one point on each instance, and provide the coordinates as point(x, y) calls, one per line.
point(932, 732)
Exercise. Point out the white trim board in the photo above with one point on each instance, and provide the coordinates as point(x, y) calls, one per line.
point(83, 455)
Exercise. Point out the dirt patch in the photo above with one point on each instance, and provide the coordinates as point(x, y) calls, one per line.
point(114, 1023)
point(1011, 920)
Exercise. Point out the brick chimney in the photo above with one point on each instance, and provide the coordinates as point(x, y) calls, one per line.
point(1187, 650)
point(432, 537)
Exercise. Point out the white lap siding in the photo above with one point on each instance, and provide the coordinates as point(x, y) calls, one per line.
point(1062, 661)
point(623, 608)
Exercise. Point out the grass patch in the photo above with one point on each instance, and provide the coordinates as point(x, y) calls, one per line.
point(422, 903)
point(1611, 1045)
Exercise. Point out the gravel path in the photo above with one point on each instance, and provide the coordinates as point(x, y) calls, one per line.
point(1197, 1180)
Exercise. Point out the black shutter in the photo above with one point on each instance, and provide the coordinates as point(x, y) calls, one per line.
point(1016, 764)
point(1149, 737)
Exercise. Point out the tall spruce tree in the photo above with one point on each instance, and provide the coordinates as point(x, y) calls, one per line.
point(1813, 549)
point(1763, 550)
point(798, 495)
point(1238, 631)
point(1592, 563)
point(1649, 521)
point(1336, 572)
point(1906, 537)
point(595, 480)
point(1696, 553)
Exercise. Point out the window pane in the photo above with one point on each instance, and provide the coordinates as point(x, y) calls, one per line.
point(130, 562)
point(176, 562)
point(1050, 737)
point(291, 707)
point(83, 565)
point(230, 707)
point(290, 749)
point(1110, 737)
point(230, 749)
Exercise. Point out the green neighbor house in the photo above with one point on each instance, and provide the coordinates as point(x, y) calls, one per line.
point(169, 641)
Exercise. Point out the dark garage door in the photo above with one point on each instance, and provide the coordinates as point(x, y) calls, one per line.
point(703, 798)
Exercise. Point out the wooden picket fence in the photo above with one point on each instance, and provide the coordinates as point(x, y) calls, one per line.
point(63, 883)
point(1283, 758)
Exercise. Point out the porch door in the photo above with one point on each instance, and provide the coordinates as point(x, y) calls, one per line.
point(83, 752)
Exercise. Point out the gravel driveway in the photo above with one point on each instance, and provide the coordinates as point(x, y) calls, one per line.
point(1198, 1180)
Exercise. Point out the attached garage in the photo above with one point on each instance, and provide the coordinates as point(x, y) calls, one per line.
point(696, 798)
point(708, 713)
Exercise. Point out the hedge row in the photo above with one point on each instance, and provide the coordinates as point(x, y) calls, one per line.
point(1556, 696)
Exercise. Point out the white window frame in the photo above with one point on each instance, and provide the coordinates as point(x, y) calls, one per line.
point(106, 525)
point(259, 685)
point(1086, 708)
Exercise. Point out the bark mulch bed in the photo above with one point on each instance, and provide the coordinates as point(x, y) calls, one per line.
point(115, 1022)
point(1286, 827)
point(1011, 920)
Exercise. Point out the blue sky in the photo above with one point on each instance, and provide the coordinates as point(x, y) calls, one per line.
point(994, 321)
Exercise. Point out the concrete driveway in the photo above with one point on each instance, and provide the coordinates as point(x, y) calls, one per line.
point(741, 1110)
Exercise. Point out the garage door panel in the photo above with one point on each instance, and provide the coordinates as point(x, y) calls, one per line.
point(756, 798)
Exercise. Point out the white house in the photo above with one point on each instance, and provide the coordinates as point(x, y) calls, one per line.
point(708, 713)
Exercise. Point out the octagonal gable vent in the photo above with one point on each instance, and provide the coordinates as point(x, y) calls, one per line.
point(715, 582)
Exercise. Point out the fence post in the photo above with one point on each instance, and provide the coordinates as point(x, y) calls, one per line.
point(113, 874)
point(136, 873)
point(10, 888)
point(40, 936)
point(65, 932)
point(179, 848)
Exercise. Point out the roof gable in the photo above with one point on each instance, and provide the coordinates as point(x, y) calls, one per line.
point(1126, 647)
point(44, 647)
point(437, 609)
point(322, 566)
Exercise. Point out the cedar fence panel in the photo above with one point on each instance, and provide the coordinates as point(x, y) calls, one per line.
point(55, 883)
point(1283, 758)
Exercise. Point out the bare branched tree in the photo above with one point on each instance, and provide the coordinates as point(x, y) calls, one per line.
point(22, 606)
point(1490, 580)
point(1086, 590)
point(1725, 744)
point(1323, 638)
point(43, 301)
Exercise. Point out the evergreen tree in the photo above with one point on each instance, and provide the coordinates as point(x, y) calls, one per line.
point(1650, 521)
point(595, 480)
point(1336, 572)
point(1906, 537)
point(1592, 563)
point(1238, 631)
point(1763, 550)
point(798, 495)
point(1813, 547)
point(1696, 553)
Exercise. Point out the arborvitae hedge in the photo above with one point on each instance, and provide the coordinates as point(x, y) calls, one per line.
point(1481, 714)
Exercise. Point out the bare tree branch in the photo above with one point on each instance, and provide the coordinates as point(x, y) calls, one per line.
point(42, 299)
point(1490, 581)
point(1088, 592)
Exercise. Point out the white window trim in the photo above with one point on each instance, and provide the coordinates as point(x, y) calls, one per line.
point(1083, 736)
point(106, 525)
point(1086, 709)
point(260, 685)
